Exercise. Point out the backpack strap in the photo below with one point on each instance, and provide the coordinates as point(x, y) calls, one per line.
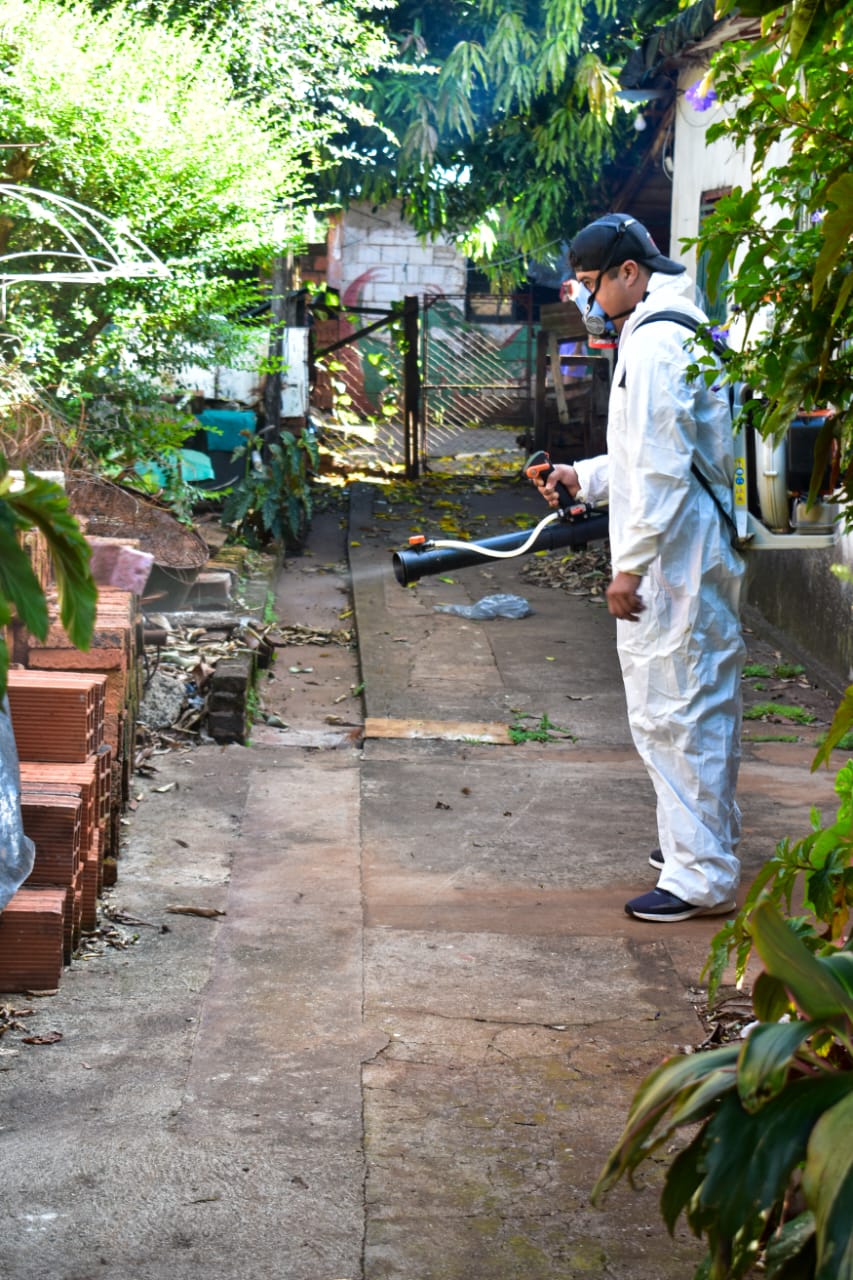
point(706, 485)
point(675, 317)
point(688, 322)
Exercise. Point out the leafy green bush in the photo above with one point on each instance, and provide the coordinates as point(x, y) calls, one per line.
point(40, 504)
point(819, 867)
point(142, 124)
point(272, 502)
point(769, 1174)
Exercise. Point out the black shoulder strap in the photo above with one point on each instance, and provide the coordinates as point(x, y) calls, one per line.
point(679, 317)
point(676, 317)
point(706, 485)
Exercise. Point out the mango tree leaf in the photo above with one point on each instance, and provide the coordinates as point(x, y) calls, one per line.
point(816, 989)
point(802, 16)
point(823, 447)
point(843, 298)
point(828, 1186)
point(765, 1058)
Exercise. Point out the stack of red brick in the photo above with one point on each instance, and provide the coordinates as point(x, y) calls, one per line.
point(74, 720)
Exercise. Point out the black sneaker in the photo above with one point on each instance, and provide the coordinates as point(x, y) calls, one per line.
point(660, 905)
point(656, 859)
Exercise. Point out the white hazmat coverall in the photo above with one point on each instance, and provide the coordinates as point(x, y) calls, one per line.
point(681, 662)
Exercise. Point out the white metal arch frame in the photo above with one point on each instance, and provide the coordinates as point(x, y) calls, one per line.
point(93, 248)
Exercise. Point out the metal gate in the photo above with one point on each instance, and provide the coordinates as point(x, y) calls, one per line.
point(375, 375)
point(477, 377)
point(464, 387)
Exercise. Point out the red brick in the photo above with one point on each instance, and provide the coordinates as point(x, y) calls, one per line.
point(31, 940)
point(91, 876)
point(57, 716)
point(58, 777)
point(77, 660)
point(53, 824)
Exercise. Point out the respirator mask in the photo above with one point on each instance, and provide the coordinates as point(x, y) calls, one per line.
point(595, 318)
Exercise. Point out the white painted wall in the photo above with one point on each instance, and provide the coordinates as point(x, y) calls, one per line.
point(699, 166)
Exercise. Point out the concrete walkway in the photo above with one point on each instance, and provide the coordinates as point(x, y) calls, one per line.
point(406, 1048)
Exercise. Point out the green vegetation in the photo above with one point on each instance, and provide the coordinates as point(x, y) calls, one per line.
point(542, 731)
point(195, 129)
point(141, 124)
point(497, 120)
point(781, 670)
point(39, 504)
point(778, 710)
point(788, 670)
point(272, 502)
point(791, 87)
point(844, 743)
point(767, 1176)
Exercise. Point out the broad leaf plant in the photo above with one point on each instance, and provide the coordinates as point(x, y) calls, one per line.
point(37, 503)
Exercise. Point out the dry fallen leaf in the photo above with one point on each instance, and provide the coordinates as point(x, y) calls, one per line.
point(49, 1037)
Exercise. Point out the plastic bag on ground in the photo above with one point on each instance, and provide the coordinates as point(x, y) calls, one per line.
point(499, 606)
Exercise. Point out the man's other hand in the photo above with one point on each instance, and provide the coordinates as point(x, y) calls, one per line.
point(623, 599)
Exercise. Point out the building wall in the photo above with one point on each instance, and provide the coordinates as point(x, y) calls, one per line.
point(796, 591)
point(375, 258)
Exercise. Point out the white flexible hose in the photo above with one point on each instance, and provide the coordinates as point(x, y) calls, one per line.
point(454, 545)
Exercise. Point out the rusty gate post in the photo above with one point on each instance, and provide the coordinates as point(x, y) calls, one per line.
point(411, 388)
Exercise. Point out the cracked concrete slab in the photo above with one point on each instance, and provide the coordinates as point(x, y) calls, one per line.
point(409, 1043)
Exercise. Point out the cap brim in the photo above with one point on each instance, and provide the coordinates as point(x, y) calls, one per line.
point(667, 266)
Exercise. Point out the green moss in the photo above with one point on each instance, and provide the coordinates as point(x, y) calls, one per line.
point(780, 710)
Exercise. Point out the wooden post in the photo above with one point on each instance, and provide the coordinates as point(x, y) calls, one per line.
point(540, 430)
point(411, 388)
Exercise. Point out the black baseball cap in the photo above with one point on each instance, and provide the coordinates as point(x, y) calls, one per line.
point(616, 238)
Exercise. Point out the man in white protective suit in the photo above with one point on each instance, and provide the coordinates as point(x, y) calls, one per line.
point(676, 577)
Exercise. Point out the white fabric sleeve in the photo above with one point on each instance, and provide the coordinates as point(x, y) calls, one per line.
point(661, 428)
point(594, 477)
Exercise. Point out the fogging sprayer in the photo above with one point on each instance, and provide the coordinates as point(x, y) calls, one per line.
point(572, 524)
point(771, 484)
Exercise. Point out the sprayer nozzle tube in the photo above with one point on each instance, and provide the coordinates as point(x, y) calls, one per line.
point(410, 566)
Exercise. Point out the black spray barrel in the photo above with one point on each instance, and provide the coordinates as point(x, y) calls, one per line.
point(421, 561)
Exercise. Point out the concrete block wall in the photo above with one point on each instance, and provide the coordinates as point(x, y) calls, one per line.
point(374, 258)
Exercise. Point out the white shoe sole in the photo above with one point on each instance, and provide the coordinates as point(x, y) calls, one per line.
point(721, 909)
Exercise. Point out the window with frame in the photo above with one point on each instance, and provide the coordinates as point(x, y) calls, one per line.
point(711, 294)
